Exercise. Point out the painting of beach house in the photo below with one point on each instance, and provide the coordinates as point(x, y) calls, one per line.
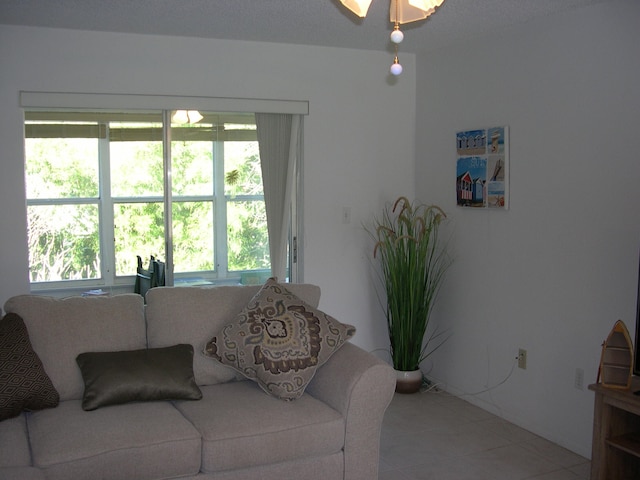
point(482, 163)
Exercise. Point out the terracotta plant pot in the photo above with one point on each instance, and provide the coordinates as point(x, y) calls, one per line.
point(408, 382)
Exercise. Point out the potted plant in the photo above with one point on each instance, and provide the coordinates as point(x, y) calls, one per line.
point(412, 260)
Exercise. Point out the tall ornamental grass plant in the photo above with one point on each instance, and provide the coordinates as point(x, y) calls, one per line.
point(413, 261)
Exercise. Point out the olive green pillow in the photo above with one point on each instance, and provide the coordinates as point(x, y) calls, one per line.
point(112, 378)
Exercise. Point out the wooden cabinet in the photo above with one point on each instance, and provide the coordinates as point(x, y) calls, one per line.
point(615, 453)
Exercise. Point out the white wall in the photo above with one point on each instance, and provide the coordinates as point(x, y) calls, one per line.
point(554, 272)
point(359, 135)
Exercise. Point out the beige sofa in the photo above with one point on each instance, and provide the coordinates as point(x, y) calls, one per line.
point(235, 431)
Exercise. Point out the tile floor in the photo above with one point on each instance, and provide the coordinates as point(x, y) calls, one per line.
point(435, 436)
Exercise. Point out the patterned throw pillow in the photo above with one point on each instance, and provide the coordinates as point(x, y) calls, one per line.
point(279, 341)
point(24, 384)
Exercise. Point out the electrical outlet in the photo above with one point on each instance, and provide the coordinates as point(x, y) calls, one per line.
point(522, 358)
point(579, 379)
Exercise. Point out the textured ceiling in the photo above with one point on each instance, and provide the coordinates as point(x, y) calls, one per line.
point(310, 22)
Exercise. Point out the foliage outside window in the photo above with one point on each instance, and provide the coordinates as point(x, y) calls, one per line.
point(96, 196)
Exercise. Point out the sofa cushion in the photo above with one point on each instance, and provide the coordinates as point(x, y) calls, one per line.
point(194, 314)
point(14, 443)
point(21, 473)
point(24, 384)
point(139, 441)
point(242, 427)
point(279, 341)
point(113, 378)
point(328, 467)
point(61, 329)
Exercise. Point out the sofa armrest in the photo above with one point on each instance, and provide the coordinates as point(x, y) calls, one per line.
point(360, 386)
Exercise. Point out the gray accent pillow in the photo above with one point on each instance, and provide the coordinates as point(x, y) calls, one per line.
point(24, 384)
point(279, 341)
point(112, 378)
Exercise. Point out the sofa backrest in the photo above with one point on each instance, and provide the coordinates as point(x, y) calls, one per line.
point(195, 314)
point(61, 329)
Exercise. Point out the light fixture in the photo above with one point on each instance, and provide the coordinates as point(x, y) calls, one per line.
point(186, 116)
point(400, 11)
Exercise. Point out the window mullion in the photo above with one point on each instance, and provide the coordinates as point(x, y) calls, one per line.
point(168, 196)
point(107, 235)
point(220, 211)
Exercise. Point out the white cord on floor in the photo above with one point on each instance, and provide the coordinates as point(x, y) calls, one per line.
point(439, 387)
point(488, 389)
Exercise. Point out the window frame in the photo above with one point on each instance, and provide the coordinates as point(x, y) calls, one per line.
point(57, 102)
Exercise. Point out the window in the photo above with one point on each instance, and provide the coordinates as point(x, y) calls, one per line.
point(104, 187)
